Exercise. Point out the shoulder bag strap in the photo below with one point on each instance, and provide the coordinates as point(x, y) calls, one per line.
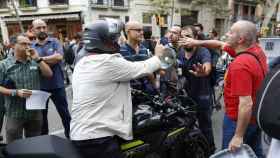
point(255, 58)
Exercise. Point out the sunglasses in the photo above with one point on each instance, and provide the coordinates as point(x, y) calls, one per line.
point(24, 44)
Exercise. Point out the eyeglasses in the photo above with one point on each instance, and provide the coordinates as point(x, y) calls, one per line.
point(24, 44)
point(174, 32)
point(40, 27)
point(137, 30)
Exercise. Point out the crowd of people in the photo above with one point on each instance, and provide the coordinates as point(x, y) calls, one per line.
point(108, 63)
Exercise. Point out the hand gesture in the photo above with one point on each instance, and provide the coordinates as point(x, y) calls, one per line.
point(199, 70)
point(32, 53)
point(187, 42)
point(24, 93)
point(159, 49)
point(235, 143)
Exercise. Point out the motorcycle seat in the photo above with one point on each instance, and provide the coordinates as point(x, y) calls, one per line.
point(46, 146)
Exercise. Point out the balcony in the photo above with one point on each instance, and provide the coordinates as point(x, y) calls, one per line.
point(249, 18)
point(59, 4)
point(99, 4)
point(28, 5)
point(120, 4)
point(4, 7)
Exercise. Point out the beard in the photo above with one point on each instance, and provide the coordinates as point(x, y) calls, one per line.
point(42, 36)
point(189, 50)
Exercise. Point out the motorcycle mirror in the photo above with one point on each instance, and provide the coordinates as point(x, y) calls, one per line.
point(168, 58)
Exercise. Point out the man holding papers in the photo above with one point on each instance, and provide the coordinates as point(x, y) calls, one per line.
point(19, 75)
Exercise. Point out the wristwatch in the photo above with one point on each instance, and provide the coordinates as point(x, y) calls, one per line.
point(39, 60)
point(14, 93)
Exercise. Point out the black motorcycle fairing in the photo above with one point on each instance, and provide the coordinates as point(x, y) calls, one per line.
point(46, 146)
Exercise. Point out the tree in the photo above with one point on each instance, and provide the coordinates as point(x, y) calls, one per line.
point(217, 6)
point(164, 7)
point(269, 7)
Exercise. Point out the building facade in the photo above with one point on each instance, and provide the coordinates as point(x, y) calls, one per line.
point(143, 11)
point(66, 17)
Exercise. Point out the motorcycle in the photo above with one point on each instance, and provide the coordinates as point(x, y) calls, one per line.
point(166, 127)
point(163, 127)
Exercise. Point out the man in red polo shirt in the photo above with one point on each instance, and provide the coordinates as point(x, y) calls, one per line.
point(242, 80)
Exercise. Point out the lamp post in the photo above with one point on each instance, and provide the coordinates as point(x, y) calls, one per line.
point(13, 3)
point(172, 13)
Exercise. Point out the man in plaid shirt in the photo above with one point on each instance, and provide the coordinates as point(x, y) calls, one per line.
point(19, 75)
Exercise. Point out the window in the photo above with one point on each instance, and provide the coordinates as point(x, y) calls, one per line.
point(219, 26)
point(118, 2)
point(253, 10)
point(3, 4)
point(57, 2)
point(189, 19)
point(245, 12)
point(126, 18)
point(28, 3)
point(147, 18)
point(108, 16)
point(100, 2)
point(236, 10)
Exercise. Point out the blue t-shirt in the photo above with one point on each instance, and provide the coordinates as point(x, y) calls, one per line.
point(130, 54)
point(164, 41)
point(51, 47)
point(195, 86)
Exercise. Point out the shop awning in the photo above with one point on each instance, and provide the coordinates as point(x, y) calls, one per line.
point(43, 17)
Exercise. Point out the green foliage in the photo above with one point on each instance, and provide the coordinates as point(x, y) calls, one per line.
point(162, 6)
point(217, 6)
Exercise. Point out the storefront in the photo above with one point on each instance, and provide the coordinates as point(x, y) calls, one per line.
point(59, 25)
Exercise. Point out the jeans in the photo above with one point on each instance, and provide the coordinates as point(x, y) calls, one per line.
point(58, 96)
point(273, 62)
point(204, 113)
point(252, 136)
point(106, 147)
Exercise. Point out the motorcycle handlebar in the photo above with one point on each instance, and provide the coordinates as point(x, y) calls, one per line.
point(162, 103)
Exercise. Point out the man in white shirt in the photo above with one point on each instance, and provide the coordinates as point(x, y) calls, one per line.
point(102, 107)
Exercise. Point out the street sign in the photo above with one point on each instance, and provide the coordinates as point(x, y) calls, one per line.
point(271, 47)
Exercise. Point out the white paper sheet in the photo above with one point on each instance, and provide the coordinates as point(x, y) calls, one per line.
point(274, 150)
point(37, 100)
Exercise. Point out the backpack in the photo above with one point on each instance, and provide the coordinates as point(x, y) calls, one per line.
point(69, 54)
point(267, 104)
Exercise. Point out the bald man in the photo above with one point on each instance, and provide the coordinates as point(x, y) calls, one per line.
point(173, 36)
point(133, 50)
point(52, 53)
point(19, 74)
point(242, 80)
